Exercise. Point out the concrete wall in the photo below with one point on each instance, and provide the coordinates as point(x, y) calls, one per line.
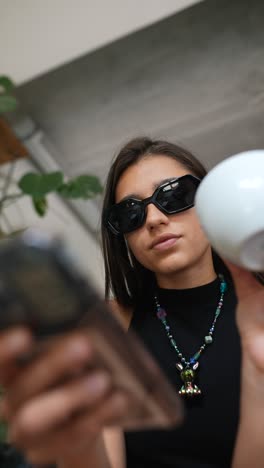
point(196, 77)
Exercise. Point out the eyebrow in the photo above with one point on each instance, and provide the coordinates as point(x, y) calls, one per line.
point(155, 185)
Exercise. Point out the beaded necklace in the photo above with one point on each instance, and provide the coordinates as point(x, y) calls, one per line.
point(187, 367)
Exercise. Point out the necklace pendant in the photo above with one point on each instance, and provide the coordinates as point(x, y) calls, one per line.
point(189, 389)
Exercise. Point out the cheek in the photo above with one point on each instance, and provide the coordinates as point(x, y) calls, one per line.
point(144, 256)
point(195, 231)
point(135, 243)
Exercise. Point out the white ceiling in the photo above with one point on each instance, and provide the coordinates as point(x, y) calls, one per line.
point(36, 36)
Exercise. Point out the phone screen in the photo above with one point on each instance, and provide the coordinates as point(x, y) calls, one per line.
point(39, 289)
point(46, 292)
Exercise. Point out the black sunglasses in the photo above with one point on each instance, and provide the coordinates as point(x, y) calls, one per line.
point(171, 197)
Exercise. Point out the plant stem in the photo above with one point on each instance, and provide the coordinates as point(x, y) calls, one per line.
point(13, 197)
point(8, 179)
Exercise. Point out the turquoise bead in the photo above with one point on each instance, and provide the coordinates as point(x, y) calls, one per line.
point(208, 339)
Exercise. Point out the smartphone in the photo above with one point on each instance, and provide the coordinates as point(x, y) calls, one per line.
point(42, 287)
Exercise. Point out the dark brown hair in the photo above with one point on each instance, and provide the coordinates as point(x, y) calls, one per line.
point(126, 281)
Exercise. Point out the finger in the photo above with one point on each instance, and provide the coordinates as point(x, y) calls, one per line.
point(47, 411)
point(81, 431)
point(64, 358)
point(245, 283)
point(14, 343)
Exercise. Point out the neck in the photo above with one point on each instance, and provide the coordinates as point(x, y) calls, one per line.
point(190, 277)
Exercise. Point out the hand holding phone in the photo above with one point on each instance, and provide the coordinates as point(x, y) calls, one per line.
point(42, 288)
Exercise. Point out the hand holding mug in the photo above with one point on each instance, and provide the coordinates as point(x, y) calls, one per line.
point(230, 205)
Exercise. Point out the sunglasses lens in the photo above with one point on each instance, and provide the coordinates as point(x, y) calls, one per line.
point(126, 216)
point(178, 195)
point(173, 197)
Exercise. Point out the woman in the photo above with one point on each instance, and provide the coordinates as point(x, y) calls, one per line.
point(180, 299)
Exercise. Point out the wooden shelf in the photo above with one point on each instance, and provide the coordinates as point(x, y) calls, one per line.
point(11, 148)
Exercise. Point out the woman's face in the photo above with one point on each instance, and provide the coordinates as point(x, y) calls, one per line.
point(187, 248)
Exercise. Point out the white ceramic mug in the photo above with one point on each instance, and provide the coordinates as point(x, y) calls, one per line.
point(230, 206)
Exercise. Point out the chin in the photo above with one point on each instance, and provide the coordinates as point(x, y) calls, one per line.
point(172, 264)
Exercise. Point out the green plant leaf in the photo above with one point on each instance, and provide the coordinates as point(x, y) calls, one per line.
point(84, 186)
point(7, 103)
point(6, 83)
point(38, 185)
point(40, 205)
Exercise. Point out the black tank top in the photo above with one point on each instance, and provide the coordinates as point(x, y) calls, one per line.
point(206, 438)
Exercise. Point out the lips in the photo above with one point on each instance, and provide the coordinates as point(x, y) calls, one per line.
point(164, 241)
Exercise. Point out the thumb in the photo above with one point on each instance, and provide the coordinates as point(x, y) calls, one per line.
point(245, 283)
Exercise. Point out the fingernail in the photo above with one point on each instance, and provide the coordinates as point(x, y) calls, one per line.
point(97, 384)
point(17, 340)
point(79, 348)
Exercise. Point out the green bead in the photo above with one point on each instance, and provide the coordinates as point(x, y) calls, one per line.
point(208, 339)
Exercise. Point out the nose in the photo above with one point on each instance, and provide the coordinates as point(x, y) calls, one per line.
point(155, 217)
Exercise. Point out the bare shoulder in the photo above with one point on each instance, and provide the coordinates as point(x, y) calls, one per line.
point(123, 314)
